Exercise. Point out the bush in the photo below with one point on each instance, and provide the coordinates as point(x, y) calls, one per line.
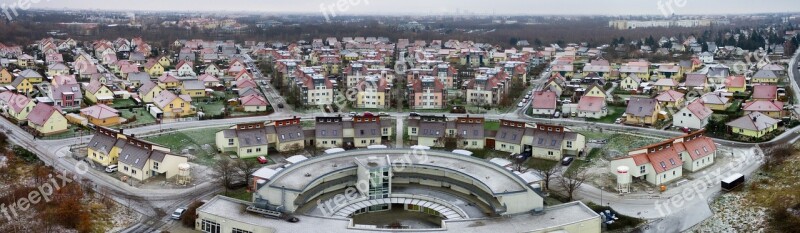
point(24, 154)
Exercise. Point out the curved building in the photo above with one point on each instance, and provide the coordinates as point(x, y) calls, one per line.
point(338, 190)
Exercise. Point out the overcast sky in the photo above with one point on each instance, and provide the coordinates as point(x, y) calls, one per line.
point(533, 7)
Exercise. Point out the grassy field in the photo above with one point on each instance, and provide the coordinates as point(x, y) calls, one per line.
point(614, 112)
point(240, 194)
point(620, 143)
point(584, 162)
point(142, 116)
point(121, 103)
point(210, 108)
point(191, 139)
point(491, 125)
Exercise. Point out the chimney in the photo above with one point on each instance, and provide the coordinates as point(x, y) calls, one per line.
point(121, 131)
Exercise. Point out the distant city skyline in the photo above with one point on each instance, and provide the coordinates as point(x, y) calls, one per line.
point(427, 7)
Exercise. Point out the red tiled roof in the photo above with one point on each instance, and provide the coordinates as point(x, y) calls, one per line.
point(734, 81)
point(763, 106)
point(543, 100)
point(669, 96)
point(700, 147)
point(591, 103)
point(41, 113)
point(768, 92)
point(698, 109)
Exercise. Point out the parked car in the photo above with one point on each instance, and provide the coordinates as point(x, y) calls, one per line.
point(458, 109)
point(178, 213)
point(618, 121)
point(280, 105)
point(383, 114)
point(520, 104)
point(566, 161)
point(111, 168)
point(413, 114)
point(352, 114)
point(262, 159)
point(557, 114)
point(574, 114)
point(368, 114)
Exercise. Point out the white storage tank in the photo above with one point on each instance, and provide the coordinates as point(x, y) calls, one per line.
point(623, 179)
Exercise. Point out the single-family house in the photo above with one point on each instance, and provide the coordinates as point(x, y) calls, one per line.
point(735, 84)
point(47, 120)
point(771, 108)
point(193, 88)
point(642, 111)
point(753, 124)
point(765, 76)
point(543, 102)
point(694, 116)
point(254, 103)
point(174, 106)
point(670, 99)
point(765, 92)
point(101, 115)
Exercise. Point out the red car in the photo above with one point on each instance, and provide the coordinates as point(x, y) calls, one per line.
point(262, 159)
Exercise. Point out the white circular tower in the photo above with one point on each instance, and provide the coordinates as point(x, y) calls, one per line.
point(623, 179)
point(184, 173)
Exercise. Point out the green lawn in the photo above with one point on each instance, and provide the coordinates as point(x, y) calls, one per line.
point(210, 108)
point(491, 125)
point(240, 194)
point(614, 112)
point(122, 103)
point(142, 116)
point(191, 139)
point(735, 106)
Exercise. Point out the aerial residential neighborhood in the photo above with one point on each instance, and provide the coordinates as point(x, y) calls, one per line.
point(545, 116)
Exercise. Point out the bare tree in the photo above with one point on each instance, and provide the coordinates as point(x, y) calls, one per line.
point(225, 170)
point(548, 174)
point(571, 181)
point(245, 169)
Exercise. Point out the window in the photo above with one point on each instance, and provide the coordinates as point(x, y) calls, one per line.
point(550, 152)
point(230, 141)
point(209, 227)
point(133, 171)
point(249, 150)
point(323, 132)
point(642, 169)
point(569, 144)
point(258, 149)
point(671, 161)
point(237, 230)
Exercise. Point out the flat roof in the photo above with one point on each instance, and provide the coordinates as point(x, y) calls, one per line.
point(496, 178)
point(552, 217)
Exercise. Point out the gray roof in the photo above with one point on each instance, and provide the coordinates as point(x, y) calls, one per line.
point(433, 129)
point(30, 74)
point(755, 121)
point(641, 107)
point(329, 127)
point(252, 137)
point(765, 74)
point(470, 130)
point(367, 129)
point(134, 155)
point(193, 85)
point(146, 87)
point(229, 133)
point(139, 77)
point(547, 139)
point(289, 133)
point(101, 142)
point(510, 134)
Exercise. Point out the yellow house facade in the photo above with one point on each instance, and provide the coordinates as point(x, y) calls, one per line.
point(47, 120)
